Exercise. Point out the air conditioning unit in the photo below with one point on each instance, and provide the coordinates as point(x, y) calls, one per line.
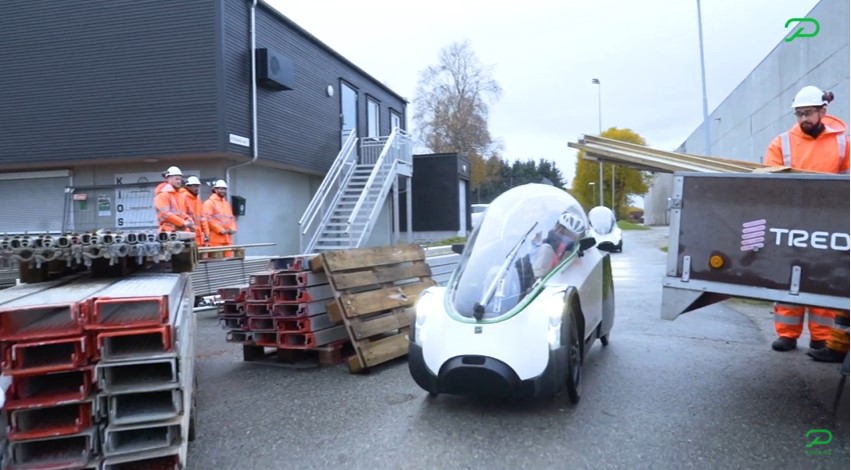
point(274, 70)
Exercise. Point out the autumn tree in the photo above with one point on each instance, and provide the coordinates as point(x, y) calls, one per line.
point(451, 109)
point(629, 182)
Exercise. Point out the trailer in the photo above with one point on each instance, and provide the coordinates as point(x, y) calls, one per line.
point(774, 237)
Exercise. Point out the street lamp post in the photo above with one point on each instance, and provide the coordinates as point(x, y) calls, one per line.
point(593, 196)
point(596, 81)
point(706, 136)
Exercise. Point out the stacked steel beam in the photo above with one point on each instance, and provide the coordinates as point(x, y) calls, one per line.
point(283, 308)
point(95, 369)
point(144, 379)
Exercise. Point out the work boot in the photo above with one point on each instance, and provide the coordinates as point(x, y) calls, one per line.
point(826, 355)
point(784, 344)
point(817, 344)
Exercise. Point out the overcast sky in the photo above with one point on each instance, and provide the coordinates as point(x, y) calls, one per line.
point(545, 53)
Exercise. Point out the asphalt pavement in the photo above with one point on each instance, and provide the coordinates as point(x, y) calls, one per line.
point(704, 391)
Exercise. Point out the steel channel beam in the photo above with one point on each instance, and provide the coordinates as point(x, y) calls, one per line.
point(304, 325)
point(42, 422)
point(144, 407)
point(140, 438)
point(311, 340)
point(137, 376)
point(71, 451)
point(51, 313)
point(41, 357)
point(307, 309)
point(302, 295)
point(136, 344)
point(49, 389)
point(160, 458)
point(144, 299)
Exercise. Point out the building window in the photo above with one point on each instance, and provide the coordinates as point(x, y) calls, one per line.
point(372, 128)
point(395, 120)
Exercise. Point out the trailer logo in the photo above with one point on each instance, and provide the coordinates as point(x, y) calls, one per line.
point(753, 235)
point(819, 437)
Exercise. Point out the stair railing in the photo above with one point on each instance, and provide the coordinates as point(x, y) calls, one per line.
point(327, 196)
point(398, 148)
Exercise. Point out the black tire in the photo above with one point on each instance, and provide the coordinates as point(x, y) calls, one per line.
point(604, 339)
point(574, 361)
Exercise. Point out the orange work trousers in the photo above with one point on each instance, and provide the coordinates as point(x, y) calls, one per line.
point(789, 321)
point(838, 340)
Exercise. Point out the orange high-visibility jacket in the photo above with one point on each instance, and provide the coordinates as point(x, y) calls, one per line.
point(827, 153)
point(195, 209)
point(171, 212)
point(219, 218)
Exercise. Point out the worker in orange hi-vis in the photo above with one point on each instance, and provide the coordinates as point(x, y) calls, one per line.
point(195, 209)
point(817, 142)
point(172, 170)
point(171, 210)
point(220, 217)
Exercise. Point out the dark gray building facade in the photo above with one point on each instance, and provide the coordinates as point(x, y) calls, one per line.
point(98, 89)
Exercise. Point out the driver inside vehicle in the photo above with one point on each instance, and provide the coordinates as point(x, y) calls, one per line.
point(548, 252)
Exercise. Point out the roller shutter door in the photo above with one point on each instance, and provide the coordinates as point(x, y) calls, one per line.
point(33, 201)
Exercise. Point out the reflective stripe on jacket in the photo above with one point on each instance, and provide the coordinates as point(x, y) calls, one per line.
point(827, 153)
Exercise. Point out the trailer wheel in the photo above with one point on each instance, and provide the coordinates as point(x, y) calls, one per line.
point(574, 361)
point(193, 413)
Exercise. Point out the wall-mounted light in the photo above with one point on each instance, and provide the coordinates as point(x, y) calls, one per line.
point(330, 90)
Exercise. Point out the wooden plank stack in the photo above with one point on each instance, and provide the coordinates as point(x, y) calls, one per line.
point(375, 291)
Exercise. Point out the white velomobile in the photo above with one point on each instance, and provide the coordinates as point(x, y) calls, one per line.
point(526, 302)
point(604, 229)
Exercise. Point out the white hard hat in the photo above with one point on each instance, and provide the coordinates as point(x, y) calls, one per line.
point(192, 180)
point(574, 223)
point(809, 96)
point(221, 184)
point(173, 171)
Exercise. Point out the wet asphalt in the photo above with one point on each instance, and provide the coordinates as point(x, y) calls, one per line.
point(704, 391)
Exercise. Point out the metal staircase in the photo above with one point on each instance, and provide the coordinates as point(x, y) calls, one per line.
point(344, 210)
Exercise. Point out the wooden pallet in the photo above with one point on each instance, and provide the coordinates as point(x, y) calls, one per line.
point(218, 253)
point(375, 291)
point(322, 356)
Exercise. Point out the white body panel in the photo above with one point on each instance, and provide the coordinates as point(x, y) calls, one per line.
point(520, 342)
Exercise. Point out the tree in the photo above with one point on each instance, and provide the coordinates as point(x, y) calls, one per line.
point(519, 172)
point(628, 181)
point(452, 108)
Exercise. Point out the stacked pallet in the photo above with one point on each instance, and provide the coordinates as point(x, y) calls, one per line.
point(102, 371)
point(283, 308)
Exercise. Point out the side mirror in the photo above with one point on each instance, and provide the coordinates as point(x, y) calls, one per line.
point(587, 243)
point(458, 248)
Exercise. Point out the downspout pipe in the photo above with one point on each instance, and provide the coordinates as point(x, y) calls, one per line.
point(254, 152)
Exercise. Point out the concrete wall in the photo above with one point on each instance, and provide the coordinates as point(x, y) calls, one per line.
point(758, 109)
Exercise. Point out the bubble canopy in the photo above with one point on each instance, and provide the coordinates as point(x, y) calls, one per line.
point(518, 242)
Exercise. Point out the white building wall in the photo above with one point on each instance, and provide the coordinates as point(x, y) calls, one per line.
point(758, 109)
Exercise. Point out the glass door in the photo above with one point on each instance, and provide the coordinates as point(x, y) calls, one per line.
point(349, 108)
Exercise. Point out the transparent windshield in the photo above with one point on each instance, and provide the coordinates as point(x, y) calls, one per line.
point(518, 242)
point(602, 219)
